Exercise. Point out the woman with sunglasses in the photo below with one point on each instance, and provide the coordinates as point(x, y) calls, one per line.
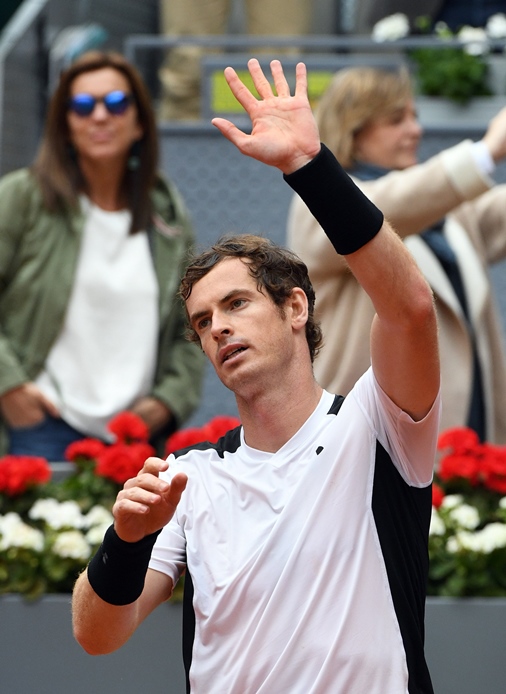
point(92, 244)
point(453, 220)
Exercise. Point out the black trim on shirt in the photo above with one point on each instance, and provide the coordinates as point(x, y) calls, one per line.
point(402, 516)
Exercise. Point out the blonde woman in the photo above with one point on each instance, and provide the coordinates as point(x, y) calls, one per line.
point(453, 220)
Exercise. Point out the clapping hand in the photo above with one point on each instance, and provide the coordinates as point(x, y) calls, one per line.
point(284, 132)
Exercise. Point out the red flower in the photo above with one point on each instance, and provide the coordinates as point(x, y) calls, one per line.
point(437, 495)
point(127, 427)
point(218, 427)
point(120, 462)
point(19, 472)
point(493, 467)
point(212, 431)
point(89, 449)
point(183, 438)
point(459, 439)
point(459, 465)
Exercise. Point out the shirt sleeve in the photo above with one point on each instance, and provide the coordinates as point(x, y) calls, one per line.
point(169, 553)
point(411, 444)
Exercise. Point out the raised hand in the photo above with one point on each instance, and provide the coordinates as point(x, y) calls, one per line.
point(284, 132)
point(495, 137)
point(146, 503)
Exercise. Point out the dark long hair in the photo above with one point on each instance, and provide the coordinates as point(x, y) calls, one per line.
point(56, 167)
point(276, 269)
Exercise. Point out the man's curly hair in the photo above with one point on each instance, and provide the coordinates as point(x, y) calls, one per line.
point(276, 269)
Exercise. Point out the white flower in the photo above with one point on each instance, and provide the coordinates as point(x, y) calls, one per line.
point(454, 543)
point(15, 533)
point(496, 26)
point(502, 502)
point(43, 509)
point(66, 514)
point(72, 544)
point(95, 535)
point(8, 521)
point(493, 536)
point(98, 515)
point(474, 40)
point(465, 516)
point(452, 500)
point(437, 526)
point(391, 28)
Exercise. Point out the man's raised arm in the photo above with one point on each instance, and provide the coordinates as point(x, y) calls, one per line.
point(404, 333)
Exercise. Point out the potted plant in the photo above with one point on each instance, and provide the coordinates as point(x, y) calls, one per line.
point(456, 75)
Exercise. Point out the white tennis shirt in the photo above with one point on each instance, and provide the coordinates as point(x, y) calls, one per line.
point(286, 550)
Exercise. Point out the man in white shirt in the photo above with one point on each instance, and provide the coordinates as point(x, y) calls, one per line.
point(303, 533)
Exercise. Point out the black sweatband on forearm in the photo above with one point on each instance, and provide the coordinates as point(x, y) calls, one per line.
point(118, 570)
point(346, 215)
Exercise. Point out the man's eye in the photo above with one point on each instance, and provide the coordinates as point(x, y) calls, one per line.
point(237, 303)
point(202, 323)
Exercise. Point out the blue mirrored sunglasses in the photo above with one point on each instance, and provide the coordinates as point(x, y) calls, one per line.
point(115, 102)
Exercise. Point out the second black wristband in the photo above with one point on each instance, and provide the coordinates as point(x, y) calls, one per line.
point(347, 216)
point(117, 571)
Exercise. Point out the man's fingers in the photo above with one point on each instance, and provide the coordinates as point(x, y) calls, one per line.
point(154, 466)
point(177, 487)
point(148, 476)
point(300, 80)
point(239, 90)
point(139, 494)
point(231, 132)
point(262, 84)
point(282, 87)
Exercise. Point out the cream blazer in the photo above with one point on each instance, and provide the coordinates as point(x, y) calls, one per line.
point(413, 200)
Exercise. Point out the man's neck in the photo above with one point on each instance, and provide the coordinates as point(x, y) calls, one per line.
point(271, 419)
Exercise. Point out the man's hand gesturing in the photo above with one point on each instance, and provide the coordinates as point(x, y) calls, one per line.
point(146, 503)
point(284, 132)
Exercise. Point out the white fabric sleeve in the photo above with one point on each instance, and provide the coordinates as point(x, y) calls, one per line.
point(411, 445)
point(483, 158)
point(169, 553)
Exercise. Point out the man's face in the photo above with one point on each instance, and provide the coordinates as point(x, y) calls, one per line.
point(241, 330)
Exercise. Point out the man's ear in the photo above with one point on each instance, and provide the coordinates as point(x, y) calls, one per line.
point(297, 304)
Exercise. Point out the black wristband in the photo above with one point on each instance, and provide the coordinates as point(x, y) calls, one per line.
point(346, 215)
point(118, 570)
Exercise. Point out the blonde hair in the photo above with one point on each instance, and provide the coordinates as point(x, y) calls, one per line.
point(355, 97)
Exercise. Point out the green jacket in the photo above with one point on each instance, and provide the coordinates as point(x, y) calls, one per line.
point(38, 255)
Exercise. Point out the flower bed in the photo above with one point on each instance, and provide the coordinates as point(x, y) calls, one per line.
point(49, 530)
point(467, 543)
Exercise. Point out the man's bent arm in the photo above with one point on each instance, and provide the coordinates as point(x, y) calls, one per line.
point(117, 591)
point(100, 627)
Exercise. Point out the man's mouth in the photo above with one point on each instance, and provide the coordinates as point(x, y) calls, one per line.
point(234, 353)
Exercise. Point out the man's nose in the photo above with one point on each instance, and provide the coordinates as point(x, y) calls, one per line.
point(220, 325)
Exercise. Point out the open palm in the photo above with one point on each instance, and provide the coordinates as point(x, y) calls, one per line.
point(284, 133)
